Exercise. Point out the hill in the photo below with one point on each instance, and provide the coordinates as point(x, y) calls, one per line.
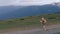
point(21, 11)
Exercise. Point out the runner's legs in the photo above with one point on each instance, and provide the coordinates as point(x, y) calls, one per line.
point(44, 27)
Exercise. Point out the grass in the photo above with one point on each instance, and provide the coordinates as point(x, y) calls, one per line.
point(30, 21)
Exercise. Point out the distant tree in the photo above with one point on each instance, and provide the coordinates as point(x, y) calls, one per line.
point(51, 17)
point(57, 12)
point(22, 19)
point(30, 16)
point(49, 14)
point(10, 21)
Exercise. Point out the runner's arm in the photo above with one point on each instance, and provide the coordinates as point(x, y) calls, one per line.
point(41, 21)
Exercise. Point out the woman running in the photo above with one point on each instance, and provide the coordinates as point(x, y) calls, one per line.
point(43, 21)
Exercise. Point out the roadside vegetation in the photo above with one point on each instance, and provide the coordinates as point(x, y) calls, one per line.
point(30, 21)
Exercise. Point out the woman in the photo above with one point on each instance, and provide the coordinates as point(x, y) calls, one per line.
point(43, 21)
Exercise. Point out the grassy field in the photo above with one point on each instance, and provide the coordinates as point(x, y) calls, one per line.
point(30, 21)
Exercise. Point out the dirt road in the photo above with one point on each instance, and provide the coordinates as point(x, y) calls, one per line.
point(51, 29)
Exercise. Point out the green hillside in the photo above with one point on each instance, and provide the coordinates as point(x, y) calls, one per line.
point(29, 21)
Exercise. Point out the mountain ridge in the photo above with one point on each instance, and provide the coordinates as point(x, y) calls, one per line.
point(20, 11)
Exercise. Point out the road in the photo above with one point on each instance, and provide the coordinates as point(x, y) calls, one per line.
point(51, 29)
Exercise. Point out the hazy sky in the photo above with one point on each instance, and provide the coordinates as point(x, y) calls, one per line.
point(26, 2)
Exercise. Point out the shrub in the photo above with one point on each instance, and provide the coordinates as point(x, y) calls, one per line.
point(21, 19)
point(30, 16)
point(51, 17)
point(10, 21)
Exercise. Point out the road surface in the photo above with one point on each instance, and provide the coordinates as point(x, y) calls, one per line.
point(51, 29)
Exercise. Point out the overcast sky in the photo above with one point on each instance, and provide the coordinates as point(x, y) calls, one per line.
point(26, 2)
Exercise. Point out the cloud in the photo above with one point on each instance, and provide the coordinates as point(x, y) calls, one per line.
point(26, 2)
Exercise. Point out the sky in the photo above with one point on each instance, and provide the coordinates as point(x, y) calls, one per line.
point(26, 2)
